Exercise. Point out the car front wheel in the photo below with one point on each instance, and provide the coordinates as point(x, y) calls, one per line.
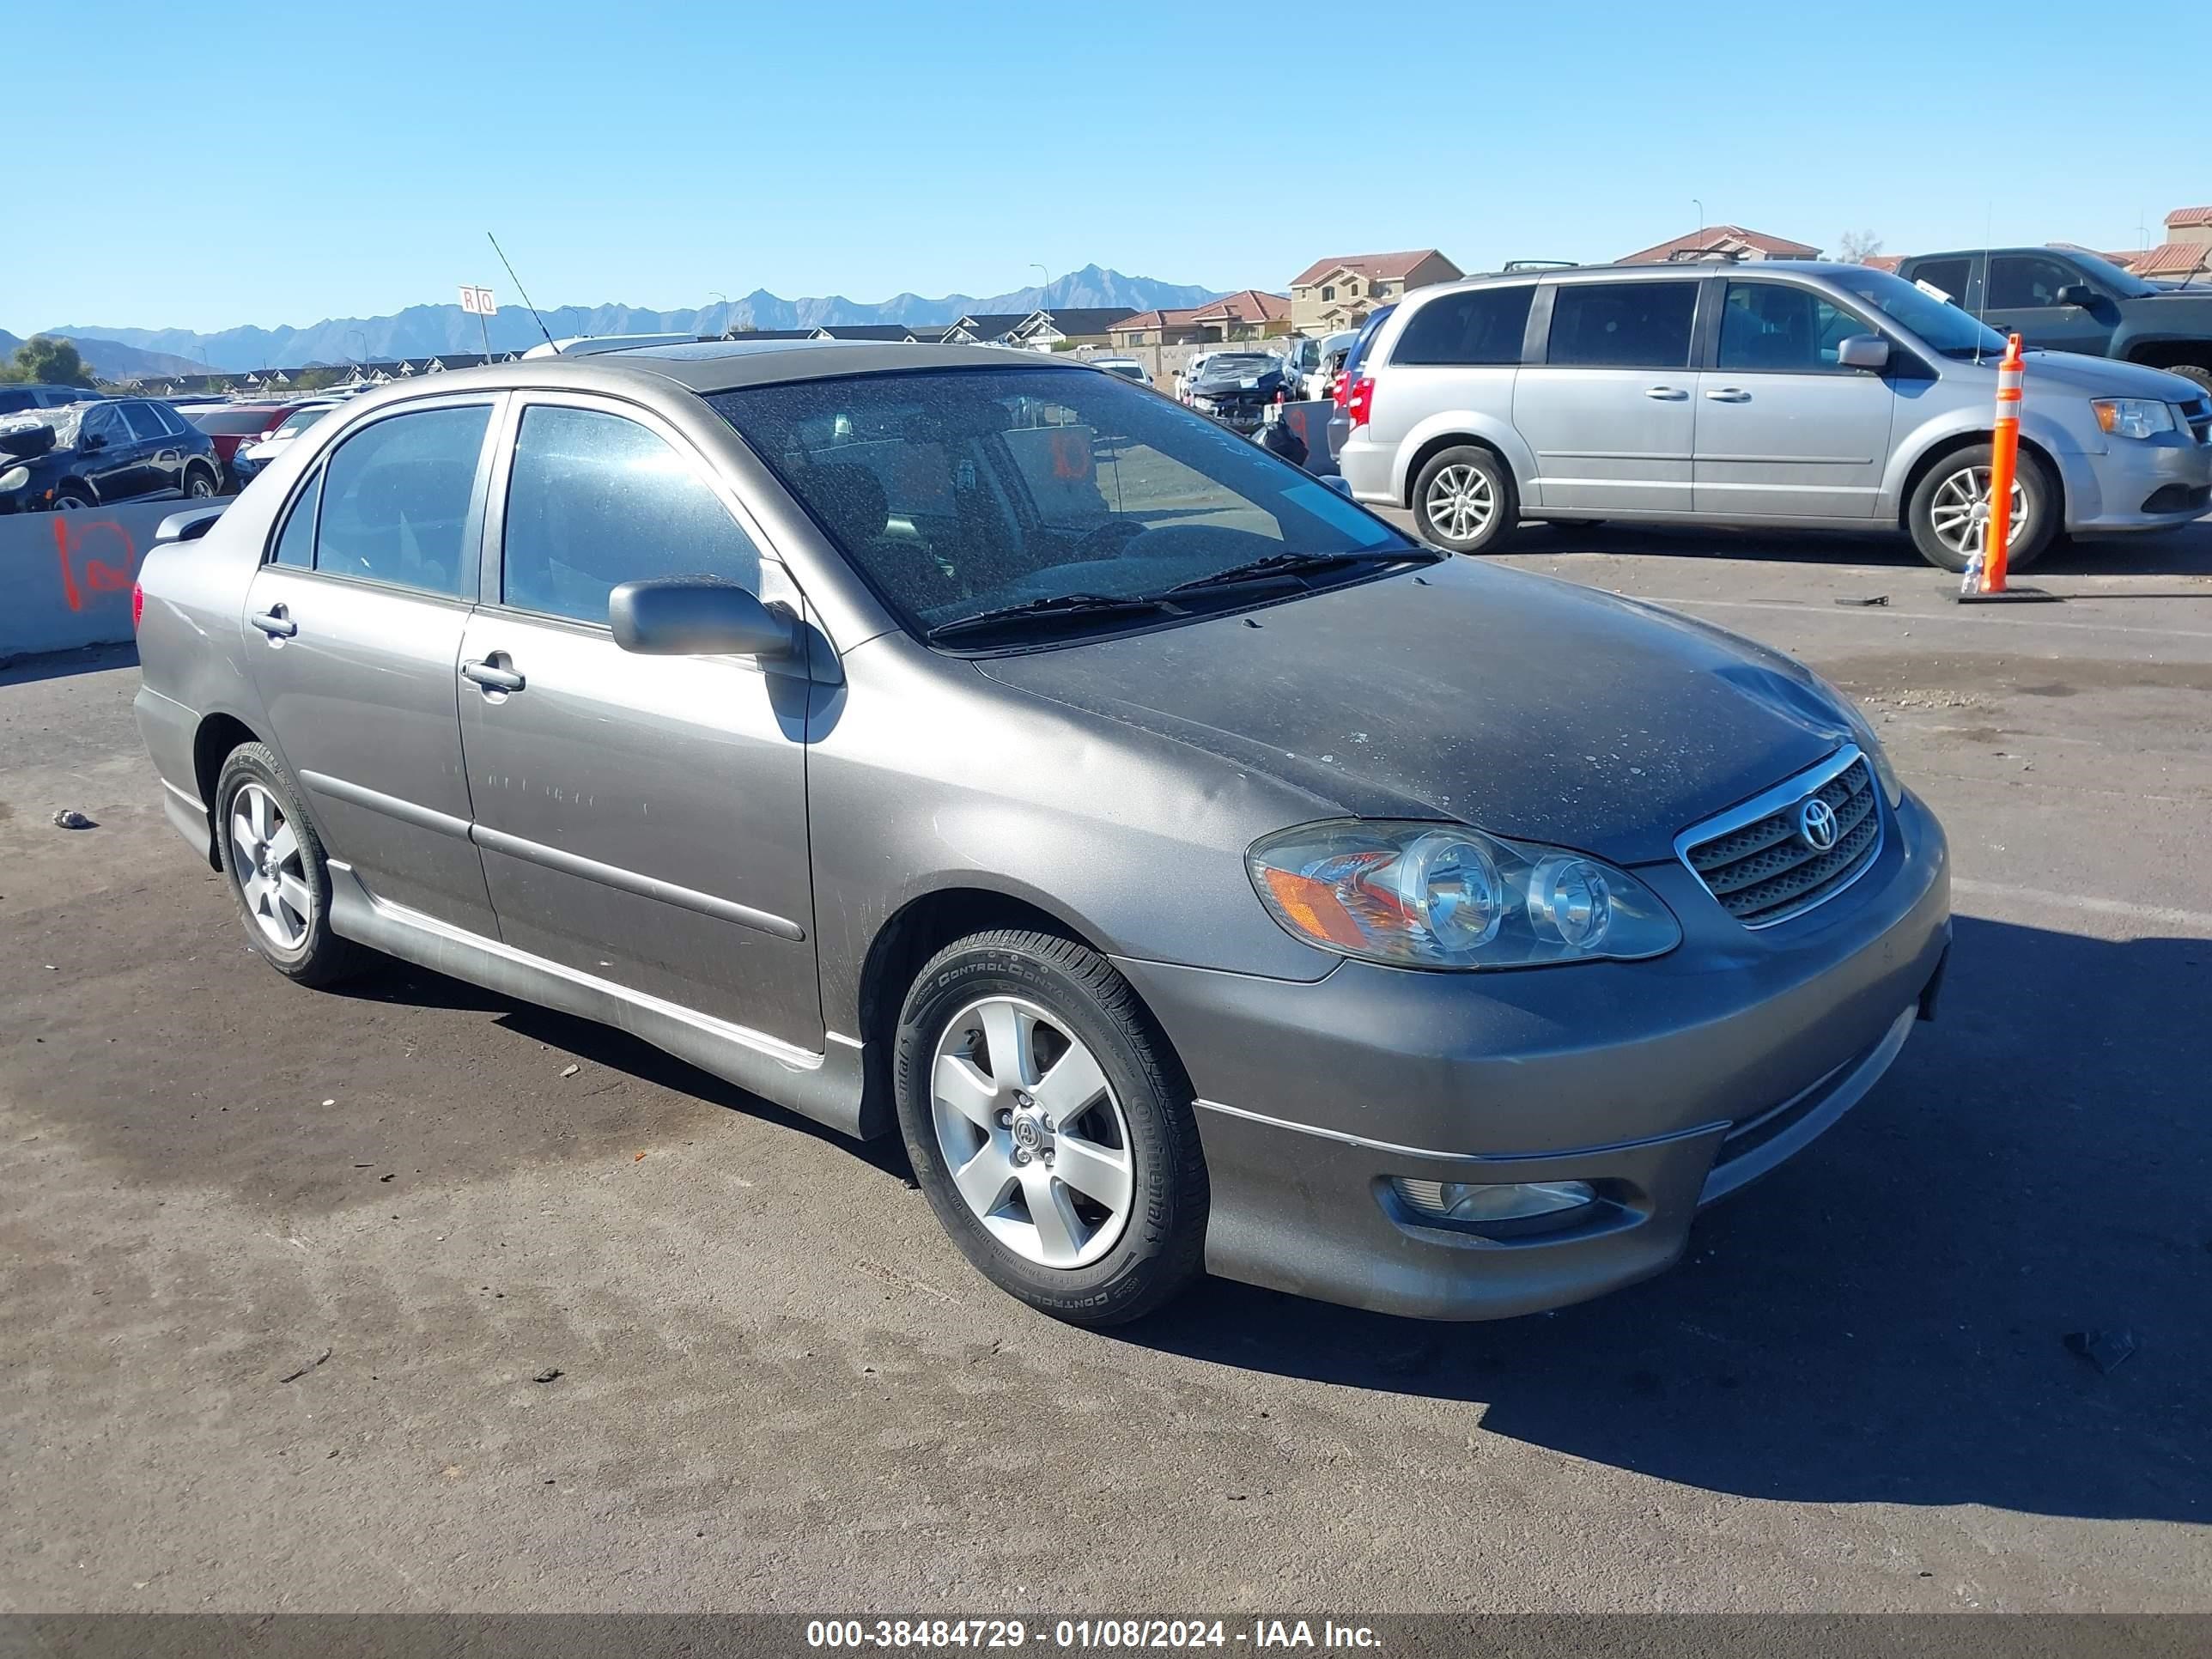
point(1464, 500)
point(1049, 1127)
point(1948, 514)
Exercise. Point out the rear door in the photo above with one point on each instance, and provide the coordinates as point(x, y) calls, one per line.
point(1784, 430)
point(643, 818)
point(352, 633)
point(1460, 350)
point(1610, 410)
point(2021, 296)
point(161, 456)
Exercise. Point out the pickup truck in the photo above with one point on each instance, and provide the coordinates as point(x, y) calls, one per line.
point(2063, 299)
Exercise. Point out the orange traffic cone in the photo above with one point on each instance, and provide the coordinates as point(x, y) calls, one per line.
point(1985, 570)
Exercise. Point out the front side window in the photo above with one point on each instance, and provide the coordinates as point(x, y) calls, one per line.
point(2019, 280)
point(396, 500)
point(1623, 325)
point(1782, 329)
point(101, 421)
point(958, 492)
point(1477, 325)
point(595, 501)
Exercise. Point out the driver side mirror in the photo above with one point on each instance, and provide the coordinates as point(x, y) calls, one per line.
point(699, 616)
point(92, 440)
point(2077, 294)
point(1861, 351)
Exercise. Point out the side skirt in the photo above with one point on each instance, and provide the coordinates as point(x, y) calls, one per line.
point(827, 1087)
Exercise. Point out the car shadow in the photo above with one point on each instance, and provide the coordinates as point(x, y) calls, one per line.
point(1883, 1319)
point(2158, 553)
point(59, 665)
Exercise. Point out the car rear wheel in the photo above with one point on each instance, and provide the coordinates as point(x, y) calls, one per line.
point(274, 861)
point(199, 485)
point(1948, 513)
point(1049, 1127)
point(1464, 500)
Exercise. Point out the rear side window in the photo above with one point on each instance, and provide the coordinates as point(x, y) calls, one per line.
point(396, 501)
point(172, 423)
point(1623, 325)
point(295, 546)
point(11, 400)
point(1949, 274)
point(1480, 325)
point(595, 501)
point(145, 425)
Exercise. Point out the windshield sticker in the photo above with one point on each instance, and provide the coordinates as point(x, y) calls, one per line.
point(1338, 514)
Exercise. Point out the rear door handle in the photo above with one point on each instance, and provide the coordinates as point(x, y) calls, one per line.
point(1666, 393)
point(1729, 394)
point(492, 677)
point(276, 623)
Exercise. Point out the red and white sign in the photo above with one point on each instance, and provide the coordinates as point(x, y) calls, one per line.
point(478, 301)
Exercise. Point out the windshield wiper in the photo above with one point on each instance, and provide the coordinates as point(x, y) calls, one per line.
point(1056, 604)
point(1299, 564)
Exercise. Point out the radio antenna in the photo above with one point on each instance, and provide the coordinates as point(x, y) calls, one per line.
point(523, 291)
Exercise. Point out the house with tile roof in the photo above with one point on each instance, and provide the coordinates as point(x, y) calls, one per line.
point(1720, 243)
point(1333, 294)
point(1250, 314)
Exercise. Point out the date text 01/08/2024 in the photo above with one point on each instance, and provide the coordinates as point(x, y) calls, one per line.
point(922, 1635)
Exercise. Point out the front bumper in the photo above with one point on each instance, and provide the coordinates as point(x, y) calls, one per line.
point(1663, 1084)
point(2137, 484)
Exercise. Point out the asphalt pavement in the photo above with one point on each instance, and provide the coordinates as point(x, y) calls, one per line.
point(409, 1297)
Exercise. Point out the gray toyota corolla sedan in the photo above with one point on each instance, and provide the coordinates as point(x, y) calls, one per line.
point(1196, 873)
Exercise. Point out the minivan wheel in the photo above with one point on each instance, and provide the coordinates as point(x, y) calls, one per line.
point(274, 861)
point(1464, 498)
point(1049, 1127)
point(1950, 509)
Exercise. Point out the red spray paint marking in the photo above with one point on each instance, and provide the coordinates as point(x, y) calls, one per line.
point(70, 535)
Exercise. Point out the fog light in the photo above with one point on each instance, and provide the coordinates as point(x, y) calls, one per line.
point(1519, 1201)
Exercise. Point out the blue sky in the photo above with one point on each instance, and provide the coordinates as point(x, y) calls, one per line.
point(240, 166)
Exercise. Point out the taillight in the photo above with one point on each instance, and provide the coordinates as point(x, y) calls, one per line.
point(138, 604)
point(1359, 402)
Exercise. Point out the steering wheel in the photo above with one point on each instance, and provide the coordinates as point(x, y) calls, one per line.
point(1108, 540)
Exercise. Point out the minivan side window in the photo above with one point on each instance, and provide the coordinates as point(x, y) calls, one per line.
point(1479, 325)
point(1949, 274)
point(1782, 329)
point(1623, 325)
point(2025, 279)
point(396, 500)
point(594, 501)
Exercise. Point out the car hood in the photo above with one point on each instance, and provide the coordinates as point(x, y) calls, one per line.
point(1529, 707)
point(2076, 375)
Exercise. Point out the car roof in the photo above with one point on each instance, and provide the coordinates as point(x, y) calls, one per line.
point(710, 366)
point(1678, 269)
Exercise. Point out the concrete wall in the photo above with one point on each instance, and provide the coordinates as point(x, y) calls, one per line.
point(65, 577)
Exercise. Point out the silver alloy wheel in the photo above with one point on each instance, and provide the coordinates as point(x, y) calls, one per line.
point(1958, 511)
point(264, 858)
point(66, 502)
point(199, 489)
point(1032, 1133)
point(1460, 502)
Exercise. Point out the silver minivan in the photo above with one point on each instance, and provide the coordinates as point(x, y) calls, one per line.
point(1808, 395)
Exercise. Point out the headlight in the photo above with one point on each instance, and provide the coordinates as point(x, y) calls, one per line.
point(2133, 417)
point(14, 478)
point(1892, 786)
point(1444, 896)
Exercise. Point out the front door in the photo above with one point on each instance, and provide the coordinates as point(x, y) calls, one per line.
point(1784, 430)
point(1611, 412)
point(352, 633)
point(109, 459)
point(643, 819)
point(2021, 296)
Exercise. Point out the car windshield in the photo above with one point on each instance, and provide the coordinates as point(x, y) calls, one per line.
point(299, 421)
point(956, 492)
point(1941, 326)
point(64, 423)
point(1237, 364)
point(2125, 283)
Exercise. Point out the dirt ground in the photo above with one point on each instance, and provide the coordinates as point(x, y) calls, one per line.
point(411, 1298)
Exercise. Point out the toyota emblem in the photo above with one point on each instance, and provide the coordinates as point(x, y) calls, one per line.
point(1816, 824)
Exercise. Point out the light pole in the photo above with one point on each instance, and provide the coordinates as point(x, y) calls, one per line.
point(1700, 207)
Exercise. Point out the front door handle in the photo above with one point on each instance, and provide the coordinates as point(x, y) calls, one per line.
point(276, 622)
point(1665, 393)
point(1729, 394)
point(490, 676)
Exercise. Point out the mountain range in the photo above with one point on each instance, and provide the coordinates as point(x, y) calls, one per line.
point(426, 330)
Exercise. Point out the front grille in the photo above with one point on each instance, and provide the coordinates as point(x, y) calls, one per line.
point(1768, 870)
point(2198, 414)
